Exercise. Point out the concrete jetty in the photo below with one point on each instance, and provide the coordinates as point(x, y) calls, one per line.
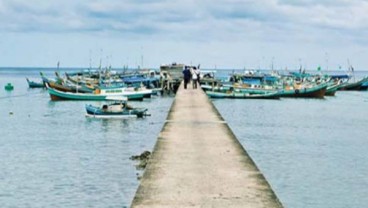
point(198, 162)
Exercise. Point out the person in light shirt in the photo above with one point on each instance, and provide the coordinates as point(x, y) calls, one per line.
point(194, 77)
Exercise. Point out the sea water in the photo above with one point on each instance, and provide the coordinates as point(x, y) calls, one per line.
point(51, 155)
point(312, 151)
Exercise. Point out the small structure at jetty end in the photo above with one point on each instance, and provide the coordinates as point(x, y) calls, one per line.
point(171, 76)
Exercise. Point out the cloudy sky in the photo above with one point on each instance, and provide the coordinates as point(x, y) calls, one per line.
point(214, 33)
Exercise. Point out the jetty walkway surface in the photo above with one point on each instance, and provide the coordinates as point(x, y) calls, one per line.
point(198, 162)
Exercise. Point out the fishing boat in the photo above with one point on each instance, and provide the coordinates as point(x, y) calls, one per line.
point(243, 88)
point(139, 80)
point(316, 91)
point(130, 92)
point(98, 95)
point(359, 85)
point(116, 109)
point(33, 84)
point(65, 86)
point(88, 80)
point(69, 87)
point(242, 95)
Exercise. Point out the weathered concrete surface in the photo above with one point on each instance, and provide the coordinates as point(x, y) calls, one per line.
point(198, 162)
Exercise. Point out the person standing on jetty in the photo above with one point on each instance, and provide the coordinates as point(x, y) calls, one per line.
point(199, 75)
point(195, 75)
point(187, 75)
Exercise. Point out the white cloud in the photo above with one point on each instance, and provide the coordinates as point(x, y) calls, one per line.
point(265, 27)
point(185, 16)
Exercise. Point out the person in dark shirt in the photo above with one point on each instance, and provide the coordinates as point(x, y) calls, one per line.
point(187, 75)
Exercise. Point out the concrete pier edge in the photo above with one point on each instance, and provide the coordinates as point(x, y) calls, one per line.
point(252, 189)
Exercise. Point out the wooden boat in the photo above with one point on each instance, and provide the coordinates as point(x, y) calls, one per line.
point(359, 85)
point(289, 87)
point(152, 83)
point(68, 87)
point(129, 92)
point(98, 95)
point(116, 109)
point(33, 84)
point(86, 80)
point(317, 91)
point(64, 86)
point(242, 95)
point(243, 88)
point(105, 85)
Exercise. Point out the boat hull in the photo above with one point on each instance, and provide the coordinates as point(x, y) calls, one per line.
point(357, 86)
point(32, 84)
point(330, 93)
point(314, 92)
point(57, 95)
point(354, 87)
point(111, 116)
point(237, 95)
point(97, 112)
point(331, 90)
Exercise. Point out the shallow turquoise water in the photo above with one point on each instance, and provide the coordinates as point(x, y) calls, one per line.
point(51, 155)
point(313, 152)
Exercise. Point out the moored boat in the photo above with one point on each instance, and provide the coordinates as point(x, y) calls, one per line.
point(129, 92)
point(359, 85)
point(33, 84)
point(68, 88)
point(242, 95)
point(116, 109)
point(64, 86)
point(317, 91)
point(98, 95)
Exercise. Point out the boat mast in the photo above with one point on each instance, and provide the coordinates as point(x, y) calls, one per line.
point(90, 62)
point(142, 57)
point(351, 68)
point(326, 61)
point(99, 69)
point(273, 58)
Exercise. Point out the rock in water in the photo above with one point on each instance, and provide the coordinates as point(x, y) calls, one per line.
point(143, 159)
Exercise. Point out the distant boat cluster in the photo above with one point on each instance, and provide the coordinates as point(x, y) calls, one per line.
point(111, 86)
point(259, 85)
point(108, 85)
point(97, 86)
